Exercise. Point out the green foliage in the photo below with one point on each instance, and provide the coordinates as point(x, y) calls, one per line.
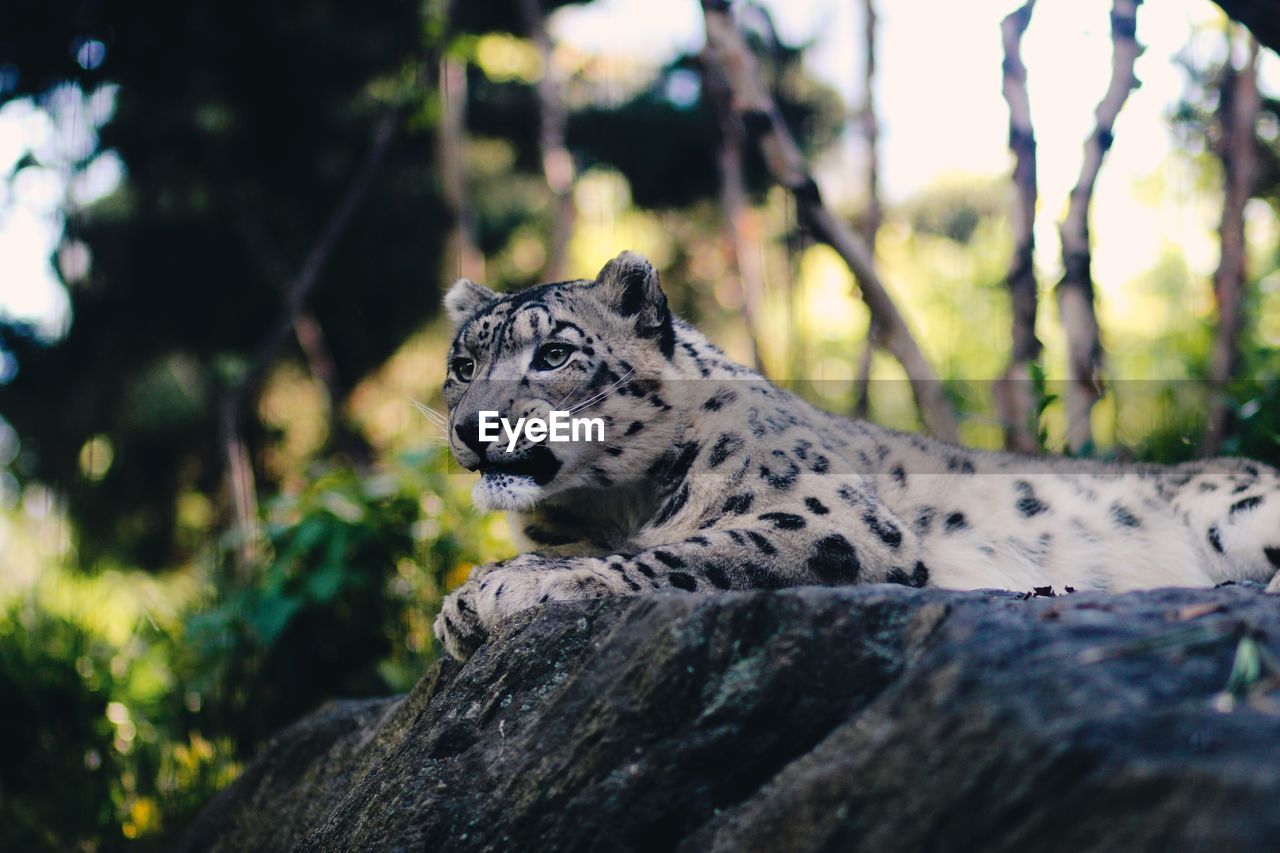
point(957, 208)
point(239, 125)
point(1198, 121)
point(315, 622)
point(101, 747)
point(125, 738)
point(664, 139)
point(1044, 398)
point(57, 763)
point(494, 15)
point(342, 606)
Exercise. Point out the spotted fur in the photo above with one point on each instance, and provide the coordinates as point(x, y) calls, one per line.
point(711, 478)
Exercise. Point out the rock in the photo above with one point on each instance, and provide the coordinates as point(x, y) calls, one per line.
point(876, 718)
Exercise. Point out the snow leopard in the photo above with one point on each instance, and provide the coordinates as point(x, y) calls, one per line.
point(710, 478)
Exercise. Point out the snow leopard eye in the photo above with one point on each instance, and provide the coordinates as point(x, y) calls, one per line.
point(551, 356)
point(463, 367)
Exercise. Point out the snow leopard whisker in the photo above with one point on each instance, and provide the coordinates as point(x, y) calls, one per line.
point(571, 392)
point(601, 396)
point(431, 414)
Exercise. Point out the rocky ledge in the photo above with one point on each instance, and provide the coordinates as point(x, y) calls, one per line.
point(876, 718)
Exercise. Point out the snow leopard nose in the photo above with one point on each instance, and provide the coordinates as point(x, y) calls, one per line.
point(468, 432)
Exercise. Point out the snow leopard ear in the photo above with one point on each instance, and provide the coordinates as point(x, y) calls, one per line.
point(629, 285)
point(466, 298)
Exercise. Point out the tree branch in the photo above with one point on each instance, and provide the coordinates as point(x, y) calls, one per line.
point(1014, 395)
point(557, 161)
point(869, 124)
point(462, 258)
point(240, 478)
point(1239, 105)
point(873, 212)
point(727, 50)
point(1076, 291)
point(733, 201)
point(307, 330)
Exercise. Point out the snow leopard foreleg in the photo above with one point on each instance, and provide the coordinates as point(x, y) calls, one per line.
point(769, 551)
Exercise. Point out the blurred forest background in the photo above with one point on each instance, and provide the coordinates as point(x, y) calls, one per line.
point(225, 226)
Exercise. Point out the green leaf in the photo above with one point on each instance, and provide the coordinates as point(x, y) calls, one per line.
point(272, 616)
point(324, 582)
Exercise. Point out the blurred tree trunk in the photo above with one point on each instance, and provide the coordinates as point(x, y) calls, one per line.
point(557, 161)
point(796, 355)
point(462, 258)
point(1238, 107)
point(1014, 393)
point(742, 230)
point(734, 204)
point(1076, 291)
point(1260, 16)
point(869, 124)
point(727, 50)
point(873, 212)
